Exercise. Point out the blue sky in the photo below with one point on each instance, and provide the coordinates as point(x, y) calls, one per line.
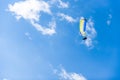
point(40, 40)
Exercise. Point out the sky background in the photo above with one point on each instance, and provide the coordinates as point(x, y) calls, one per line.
point(40, 40)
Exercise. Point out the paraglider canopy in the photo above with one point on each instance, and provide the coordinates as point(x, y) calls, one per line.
point(82, 26)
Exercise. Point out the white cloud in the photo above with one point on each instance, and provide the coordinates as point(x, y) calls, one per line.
point(52, 24)
point(45, 31)
point(64, 75)
point(66, 17)
point(88, 42)
point(63, 4)
point(59, 3)
point(109, 19)
point(30, 10)
point(91, 34)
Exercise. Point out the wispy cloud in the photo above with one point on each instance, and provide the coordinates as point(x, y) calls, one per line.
point(64, 75)
point(109, 19)
point(63, 4)
point(44, 30)
point(66, 17)
point(91, 33)
point(30, 10)
point(28, 35)
point(59, 3)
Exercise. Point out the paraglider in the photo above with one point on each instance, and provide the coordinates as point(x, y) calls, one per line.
point(82, 27)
